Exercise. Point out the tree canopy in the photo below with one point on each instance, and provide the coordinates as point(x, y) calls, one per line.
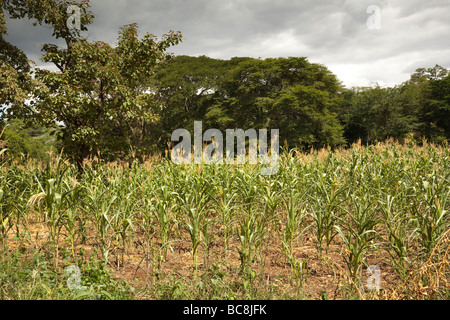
point(101, 95)
point(124, 101)
point(298, 97)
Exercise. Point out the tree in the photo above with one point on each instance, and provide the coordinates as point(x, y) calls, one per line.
point(22, 141)
point(429, 88)
point(436, 73)
point(305, 118)
point(14, 66)
point(101, 95)
point(297, 97)
point(15, 78)
point(375, 113)
point(16, 81)
point(437, 112)
point(186, 87)
point(290, 94)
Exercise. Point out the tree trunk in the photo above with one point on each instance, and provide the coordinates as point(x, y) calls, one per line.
point(83, 153)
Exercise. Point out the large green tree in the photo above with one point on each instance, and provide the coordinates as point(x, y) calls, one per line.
point(14, 66)
point(417, 108)
point(101, 95)
point(16, 81)
point(290, 94)
point(15, 78)
point(429, 86)
point(437, 112)
point(376, 113)
point(186, 87)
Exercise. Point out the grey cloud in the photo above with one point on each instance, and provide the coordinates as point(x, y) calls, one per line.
point(332, 32)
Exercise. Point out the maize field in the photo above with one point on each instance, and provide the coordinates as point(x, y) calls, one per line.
point(165, 231)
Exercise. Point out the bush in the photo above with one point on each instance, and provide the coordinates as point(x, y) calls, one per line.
point(23, 142)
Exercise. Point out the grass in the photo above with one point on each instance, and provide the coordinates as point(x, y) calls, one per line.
point(163, 231)
point(25, 277)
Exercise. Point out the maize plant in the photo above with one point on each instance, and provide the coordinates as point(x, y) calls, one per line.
point(357, 230)
point(387, 203)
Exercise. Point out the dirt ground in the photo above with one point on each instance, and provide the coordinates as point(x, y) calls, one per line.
point(325, 276)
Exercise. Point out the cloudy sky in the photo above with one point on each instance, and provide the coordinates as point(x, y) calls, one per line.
point(340, 34)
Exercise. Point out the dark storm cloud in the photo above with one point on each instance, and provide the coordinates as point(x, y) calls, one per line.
point(413, 33)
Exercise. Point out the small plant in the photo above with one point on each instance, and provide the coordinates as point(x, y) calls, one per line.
point(164, 206)
point(357, 230)
point(325, 213)
point(397, 225)
point(430, 215)
point(195, 204)
point(295, 215)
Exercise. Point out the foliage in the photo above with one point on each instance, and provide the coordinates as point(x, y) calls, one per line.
point(375, 114)
point(99, 91)
point(33, 278)
point(298, 97)
point(14, 67)
point(103, 91)
point(437, 112)
point(387, 202)
point(34, 142)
